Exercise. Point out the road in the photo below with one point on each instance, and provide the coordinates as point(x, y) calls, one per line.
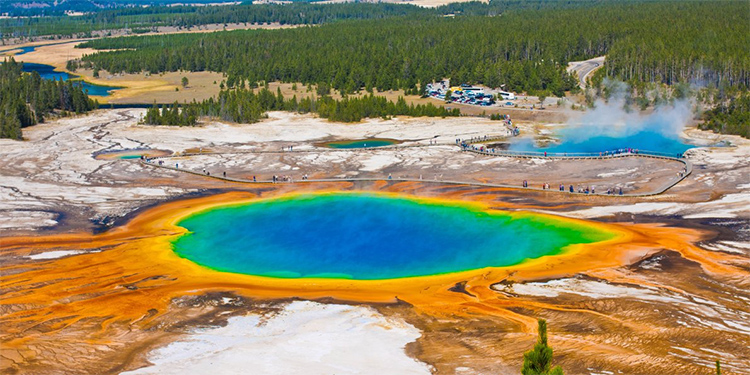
point(584, 68)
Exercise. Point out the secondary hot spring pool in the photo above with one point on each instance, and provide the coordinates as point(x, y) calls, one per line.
point(571, 142)
point(362, 236)
point(133, 153)
point(361, 143)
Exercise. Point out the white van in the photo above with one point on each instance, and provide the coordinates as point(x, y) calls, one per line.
point(507, 95)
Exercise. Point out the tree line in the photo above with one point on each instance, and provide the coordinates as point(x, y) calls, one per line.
point(245, 105)
point(146, 18)
point(141, 19)
point(27, 99)
point(705, 41)
point(730, 117)
point(60, 8)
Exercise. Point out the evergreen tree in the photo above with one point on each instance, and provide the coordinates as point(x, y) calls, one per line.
point(538, 361)
point(542, 97)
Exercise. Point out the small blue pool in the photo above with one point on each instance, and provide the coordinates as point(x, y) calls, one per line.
point(361, 143)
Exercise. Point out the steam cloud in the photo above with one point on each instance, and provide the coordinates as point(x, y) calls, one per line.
point(612, 119)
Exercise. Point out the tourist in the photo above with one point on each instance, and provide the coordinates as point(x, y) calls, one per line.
point(254, 179)
point(225, 174)
point(571, 189)
point(177, 165)
point(621, 190)
point(390, 177)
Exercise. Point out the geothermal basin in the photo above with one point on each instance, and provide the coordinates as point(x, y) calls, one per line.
point(369, 236)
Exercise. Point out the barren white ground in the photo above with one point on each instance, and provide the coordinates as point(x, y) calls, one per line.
point(305, 338)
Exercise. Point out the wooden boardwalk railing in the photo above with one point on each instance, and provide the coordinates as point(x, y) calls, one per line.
point(466, 147)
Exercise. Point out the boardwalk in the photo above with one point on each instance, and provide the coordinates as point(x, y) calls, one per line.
point(464, 146)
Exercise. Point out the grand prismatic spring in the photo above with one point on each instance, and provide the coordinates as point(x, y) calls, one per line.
point(369, 237)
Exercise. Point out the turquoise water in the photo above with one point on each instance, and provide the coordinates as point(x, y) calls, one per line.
point(362, 143)
point(363, 236)
point(577, 140)
point(48, 72)
point(130, 157)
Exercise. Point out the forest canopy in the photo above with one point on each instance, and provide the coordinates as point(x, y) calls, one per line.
point(139, 18)
point(526, 50)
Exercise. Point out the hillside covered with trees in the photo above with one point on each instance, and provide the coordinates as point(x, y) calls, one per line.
point(705, 42)
point(27, 99)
